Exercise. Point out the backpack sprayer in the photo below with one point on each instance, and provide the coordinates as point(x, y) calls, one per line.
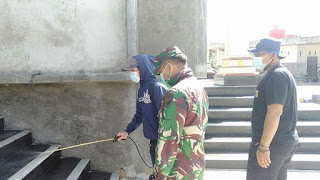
point(115, 139)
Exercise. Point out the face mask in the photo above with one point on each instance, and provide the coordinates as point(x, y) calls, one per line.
point(257, 62)
point(163, 81)
point(134, 77)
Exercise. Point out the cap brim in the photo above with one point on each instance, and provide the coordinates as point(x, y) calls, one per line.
point(126, 69)
point(282, 57)
point(131, 63)
point(253, 50)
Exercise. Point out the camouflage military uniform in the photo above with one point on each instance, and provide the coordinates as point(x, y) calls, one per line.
point(183, 121)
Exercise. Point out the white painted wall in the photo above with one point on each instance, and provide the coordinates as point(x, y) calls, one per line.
point(290, 52)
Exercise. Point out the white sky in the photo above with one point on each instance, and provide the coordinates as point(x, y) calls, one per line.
point(253, 19)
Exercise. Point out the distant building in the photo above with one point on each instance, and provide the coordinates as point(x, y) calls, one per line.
point(297, 50)
point(216, 52)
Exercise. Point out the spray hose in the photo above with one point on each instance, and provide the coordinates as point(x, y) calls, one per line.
point(115, 139)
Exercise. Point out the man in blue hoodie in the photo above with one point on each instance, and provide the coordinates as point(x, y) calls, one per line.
point(148, 103)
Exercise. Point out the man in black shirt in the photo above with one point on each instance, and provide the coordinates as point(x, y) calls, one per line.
point(274, 116)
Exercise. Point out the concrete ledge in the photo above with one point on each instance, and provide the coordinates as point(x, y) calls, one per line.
point(69, 78)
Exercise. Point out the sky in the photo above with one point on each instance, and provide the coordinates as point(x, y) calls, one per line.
point(253, 19)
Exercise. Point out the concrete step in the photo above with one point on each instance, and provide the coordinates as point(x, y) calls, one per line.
point(229, 128)
point(68, 168)
point(1, 123)
point(30, 163)
point(249, 120)
point(239, 101)
point(12, 142)
point(241, 144)
point(81, 171)
point(241, 128)
point(230, 90)
point(240, 174)
point(230, 113)
point(239, 161)
point(96, 175)
point(245, 113)
point(7, 134)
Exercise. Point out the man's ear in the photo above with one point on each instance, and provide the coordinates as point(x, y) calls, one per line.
point(170, 65)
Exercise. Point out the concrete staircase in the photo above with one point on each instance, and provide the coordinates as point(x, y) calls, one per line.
point(228, 133)
point(21, 159)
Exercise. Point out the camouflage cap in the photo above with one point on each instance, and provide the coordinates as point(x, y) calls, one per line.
point(166, 54)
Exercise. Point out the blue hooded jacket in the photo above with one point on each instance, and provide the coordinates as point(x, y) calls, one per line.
point(147, 111)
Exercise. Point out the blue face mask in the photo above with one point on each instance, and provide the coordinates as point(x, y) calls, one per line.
point(257, 62)
point(134, 77)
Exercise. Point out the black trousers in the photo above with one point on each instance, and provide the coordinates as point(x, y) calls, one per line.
point(280, 156)
point(153, 145)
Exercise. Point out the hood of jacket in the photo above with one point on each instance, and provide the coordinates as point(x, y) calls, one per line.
point(146, 68)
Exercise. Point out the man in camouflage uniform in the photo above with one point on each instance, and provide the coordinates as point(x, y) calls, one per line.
point(183, 119)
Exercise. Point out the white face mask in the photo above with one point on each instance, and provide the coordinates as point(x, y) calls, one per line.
point(134, 77)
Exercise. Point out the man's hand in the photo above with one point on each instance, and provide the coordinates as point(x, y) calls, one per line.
point(271, 124)
point(263, 156)
point(122, 136)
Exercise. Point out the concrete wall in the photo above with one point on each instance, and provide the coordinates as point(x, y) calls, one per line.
point(70, 37)
point(62, 36)
point(75, 113)
point(180, 22)
point(83, 37)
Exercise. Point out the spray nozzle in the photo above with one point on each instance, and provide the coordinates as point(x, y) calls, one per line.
point(115, 139)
